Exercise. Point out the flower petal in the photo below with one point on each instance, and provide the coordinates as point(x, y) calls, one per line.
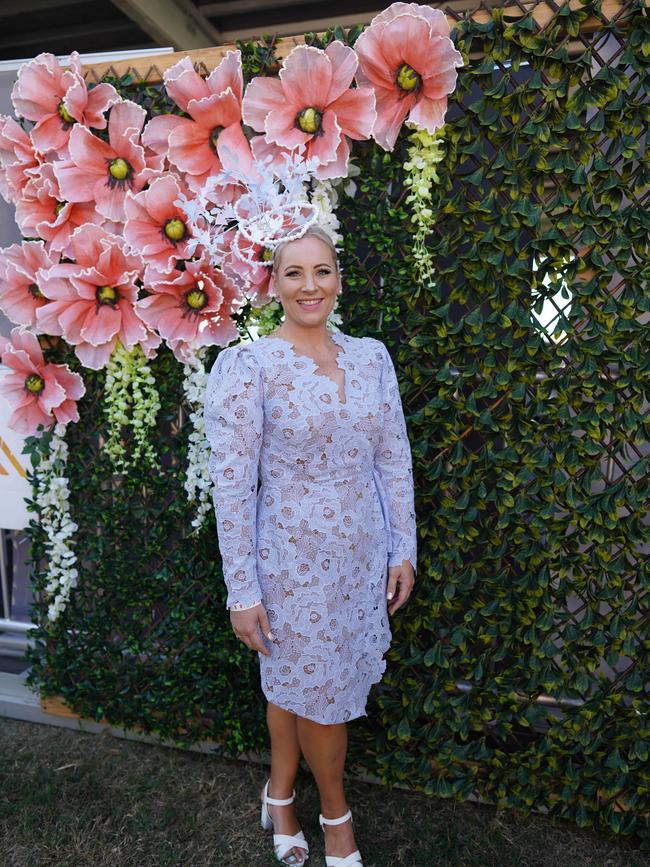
point(306, 77)
point(228, 75)
point(355, 112)
point(344, 65)
point(263, 94)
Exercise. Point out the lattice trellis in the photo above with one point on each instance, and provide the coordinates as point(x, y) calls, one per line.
point(520, 669)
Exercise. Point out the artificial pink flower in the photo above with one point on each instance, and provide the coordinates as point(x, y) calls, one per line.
point(17, 157)
point(406, 55)
point(21, 281)
point(212, 138)
point(191, 308)
point(93, 299)
point(155, 226)
point(40, 393)
point(102, 171)
point(57, 98)
point(312, 104)
point(254, 279)
point(41, 211)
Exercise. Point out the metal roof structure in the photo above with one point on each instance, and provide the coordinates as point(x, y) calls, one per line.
point(28, 27)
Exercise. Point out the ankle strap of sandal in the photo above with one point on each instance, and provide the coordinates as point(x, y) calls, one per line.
point(279, 802)
point(339, 821)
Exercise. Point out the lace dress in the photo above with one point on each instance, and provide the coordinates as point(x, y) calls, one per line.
point(335, 508)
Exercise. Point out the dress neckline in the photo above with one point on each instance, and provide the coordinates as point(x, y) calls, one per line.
point(338, 337)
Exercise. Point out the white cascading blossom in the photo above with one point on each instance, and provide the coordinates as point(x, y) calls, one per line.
point(425, 152)
point(198, 484)
point(130, 399)
point(51, 494)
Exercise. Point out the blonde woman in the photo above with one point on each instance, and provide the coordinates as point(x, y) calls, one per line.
point(317, 561)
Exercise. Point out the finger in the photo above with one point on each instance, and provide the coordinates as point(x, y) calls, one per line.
point(402, 596)
point(256, 642)
point(265, 625)
point(391, 587)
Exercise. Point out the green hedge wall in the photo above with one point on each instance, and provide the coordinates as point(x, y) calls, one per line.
point(530, 457)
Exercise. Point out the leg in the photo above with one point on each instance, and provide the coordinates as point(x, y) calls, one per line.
point(285, 760)
point(324, 748)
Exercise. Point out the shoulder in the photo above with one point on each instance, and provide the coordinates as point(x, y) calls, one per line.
point(375, 349)
point(234, 371)
point(238, 357)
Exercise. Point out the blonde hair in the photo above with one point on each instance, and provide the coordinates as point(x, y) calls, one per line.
point(316, 232)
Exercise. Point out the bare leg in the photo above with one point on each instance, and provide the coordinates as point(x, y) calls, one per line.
point(324, 748)
point(285, 760)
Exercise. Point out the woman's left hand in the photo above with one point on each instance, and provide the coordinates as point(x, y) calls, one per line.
point(404, 577)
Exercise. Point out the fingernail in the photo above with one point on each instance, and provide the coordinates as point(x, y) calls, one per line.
point(389, 596)
point(270, 636)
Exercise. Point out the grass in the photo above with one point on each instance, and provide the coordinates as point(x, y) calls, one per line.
point(73, 799)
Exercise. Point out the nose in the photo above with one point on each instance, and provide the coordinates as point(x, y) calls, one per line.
point(309, 282)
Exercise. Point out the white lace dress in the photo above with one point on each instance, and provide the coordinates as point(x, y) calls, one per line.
point(335, 508)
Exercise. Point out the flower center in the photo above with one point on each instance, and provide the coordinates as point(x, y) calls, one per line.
point(106, 294)
point(309, 120)
point(59, 207)
point(266, 255)
point(64, 114)
point(35, 291)
point(119, 169)
point(175, 229)
point(214, 137)
point(196, 298)
point(408, 79)
point(34, 383)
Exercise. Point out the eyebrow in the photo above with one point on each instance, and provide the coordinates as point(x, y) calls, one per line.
point(322, 265)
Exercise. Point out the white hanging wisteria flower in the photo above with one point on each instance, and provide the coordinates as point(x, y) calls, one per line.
point(425, 152)
point(51, 494)
point(198, 484)
point(130, 400)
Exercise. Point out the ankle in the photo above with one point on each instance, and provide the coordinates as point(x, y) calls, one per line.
point(280, 793)
point(334, 811)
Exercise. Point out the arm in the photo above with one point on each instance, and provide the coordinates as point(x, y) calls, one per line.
point(233, 427)
point(393, 466)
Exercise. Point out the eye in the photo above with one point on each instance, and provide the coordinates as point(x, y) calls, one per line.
point(323, 272)
point(292, 273)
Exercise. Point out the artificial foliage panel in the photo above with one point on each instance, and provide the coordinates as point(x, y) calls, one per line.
point(519, 669)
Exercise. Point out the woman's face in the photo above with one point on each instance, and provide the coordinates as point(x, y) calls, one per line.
point(306, 272)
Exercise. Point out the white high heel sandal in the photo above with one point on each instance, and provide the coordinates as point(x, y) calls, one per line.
point(282, 843)
point(351, 860)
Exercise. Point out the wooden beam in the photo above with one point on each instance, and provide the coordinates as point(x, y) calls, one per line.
point(296, 28)
point(171, 22)
point(206, 59)
point(72, 33)
point(239, 7)
point(29, 6)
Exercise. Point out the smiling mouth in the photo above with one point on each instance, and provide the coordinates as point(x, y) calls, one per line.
point(310, 303)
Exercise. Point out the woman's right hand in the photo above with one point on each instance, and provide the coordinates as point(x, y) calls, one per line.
point(247, 624)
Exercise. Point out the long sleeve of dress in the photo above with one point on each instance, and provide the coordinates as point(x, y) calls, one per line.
point(393, 465)
point(233, 427)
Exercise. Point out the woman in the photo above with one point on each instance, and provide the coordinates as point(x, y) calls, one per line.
point(305, 560)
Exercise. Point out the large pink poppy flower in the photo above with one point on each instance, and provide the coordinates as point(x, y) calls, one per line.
point(191, 308)
point(41, 211)
point(406, 55)
point(93, 299)
point(17, 157)
point(312, 104)
point(39, 393)
point(155, 226)
point(21, 282)
point(102, 171)
point(212, 138)
point(57, 98)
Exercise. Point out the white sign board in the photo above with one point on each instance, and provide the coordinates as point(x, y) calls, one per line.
point(14, 486)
